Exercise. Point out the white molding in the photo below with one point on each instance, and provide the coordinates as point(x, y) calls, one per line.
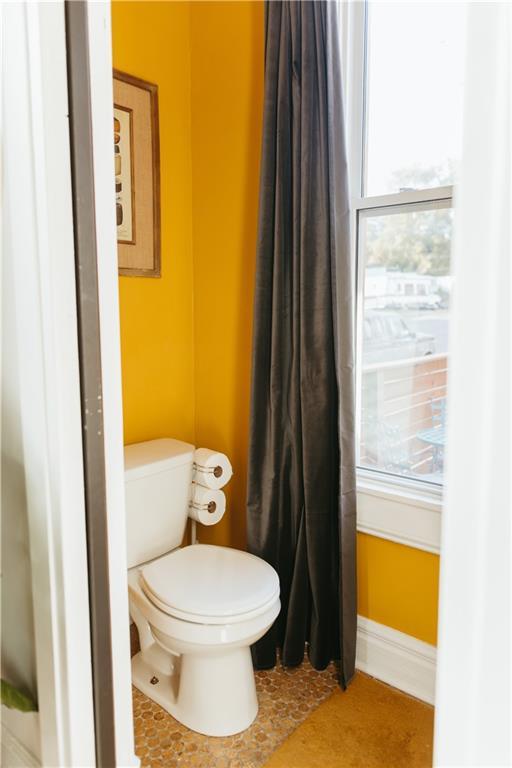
point(353, 25)
point(427, 197)
point(395, 658)
point(40, 250)
point(15, 727)
point(102, 100)
point(405, 516)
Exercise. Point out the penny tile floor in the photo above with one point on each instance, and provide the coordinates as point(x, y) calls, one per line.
point(286, 697)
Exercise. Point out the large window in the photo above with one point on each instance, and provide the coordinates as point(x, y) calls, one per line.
point(405, 161)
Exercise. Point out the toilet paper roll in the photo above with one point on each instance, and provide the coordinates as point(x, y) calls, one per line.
point(207, 505)
point(212, 469)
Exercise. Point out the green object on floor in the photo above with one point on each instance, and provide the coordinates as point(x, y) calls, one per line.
point(15, 699)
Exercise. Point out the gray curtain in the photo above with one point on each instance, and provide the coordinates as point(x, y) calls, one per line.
point(301, 483)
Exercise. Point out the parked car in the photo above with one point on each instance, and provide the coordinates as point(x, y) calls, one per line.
point(387, 337)
point(415, 301)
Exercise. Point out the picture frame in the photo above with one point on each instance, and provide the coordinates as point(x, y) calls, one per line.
point(137, 175)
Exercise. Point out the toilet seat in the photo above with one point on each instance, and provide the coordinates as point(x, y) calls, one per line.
point(206, 584)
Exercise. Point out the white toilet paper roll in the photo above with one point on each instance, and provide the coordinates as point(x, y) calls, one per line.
point(212, 469)
point(207, 505)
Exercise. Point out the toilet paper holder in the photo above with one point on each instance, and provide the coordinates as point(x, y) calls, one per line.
point(215, 471)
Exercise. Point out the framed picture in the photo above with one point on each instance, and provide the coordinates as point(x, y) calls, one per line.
point(137, 169)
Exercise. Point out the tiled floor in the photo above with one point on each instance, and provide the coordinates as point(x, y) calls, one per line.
point(286, 698)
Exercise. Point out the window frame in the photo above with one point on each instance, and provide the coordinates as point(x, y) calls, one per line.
point(381, 495)
point(401, 201)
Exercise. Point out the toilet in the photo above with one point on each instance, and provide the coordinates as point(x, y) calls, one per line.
point(197, 608)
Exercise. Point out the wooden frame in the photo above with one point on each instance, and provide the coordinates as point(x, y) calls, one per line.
point(133, 239)
point(139, 252)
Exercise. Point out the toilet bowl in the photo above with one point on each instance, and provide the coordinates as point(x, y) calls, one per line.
point(198, 608)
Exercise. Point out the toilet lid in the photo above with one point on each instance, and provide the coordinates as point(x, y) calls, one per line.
point(208, 581)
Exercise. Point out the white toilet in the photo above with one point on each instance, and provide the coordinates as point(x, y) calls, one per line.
point(197, 608)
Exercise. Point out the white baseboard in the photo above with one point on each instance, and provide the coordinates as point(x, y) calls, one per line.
point(20, 739)
point(397, 659)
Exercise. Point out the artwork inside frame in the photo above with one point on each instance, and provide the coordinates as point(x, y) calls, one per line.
point(137, 171)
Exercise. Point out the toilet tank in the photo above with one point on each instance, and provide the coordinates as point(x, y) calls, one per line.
point(158, 476)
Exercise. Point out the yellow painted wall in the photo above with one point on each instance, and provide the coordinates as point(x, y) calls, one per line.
point(152, 40)
point(186, 339)
point(227, 102)
point(398, 586)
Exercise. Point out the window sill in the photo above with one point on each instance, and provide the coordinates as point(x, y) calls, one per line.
point(399, 511)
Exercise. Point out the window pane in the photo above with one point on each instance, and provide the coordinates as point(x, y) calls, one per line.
point(414, 94)
point(404, 339)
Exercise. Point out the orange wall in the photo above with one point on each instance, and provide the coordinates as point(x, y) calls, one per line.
point(152, 40)
point(186, 339)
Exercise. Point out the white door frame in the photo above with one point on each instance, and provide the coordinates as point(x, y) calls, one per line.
point(39, 246)
point(102, 111)
point(39, 235)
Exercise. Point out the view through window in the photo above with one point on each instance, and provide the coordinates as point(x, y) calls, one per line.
point(415, 67)
point(413, 95)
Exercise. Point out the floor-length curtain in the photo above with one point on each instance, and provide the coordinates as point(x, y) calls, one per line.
point(301, 484)
point(473, 695)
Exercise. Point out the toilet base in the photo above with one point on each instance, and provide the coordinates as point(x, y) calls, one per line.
point(213, 694)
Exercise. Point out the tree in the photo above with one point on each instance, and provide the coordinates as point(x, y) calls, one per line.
point(414, 239)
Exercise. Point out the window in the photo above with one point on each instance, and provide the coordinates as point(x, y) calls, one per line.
point(404, 141)
point(414, 91)
point(404, 354)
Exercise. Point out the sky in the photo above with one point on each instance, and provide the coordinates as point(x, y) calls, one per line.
point(415, 83)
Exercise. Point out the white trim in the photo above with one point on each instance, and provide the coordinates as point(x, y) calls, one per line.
point(403, 511)
point(408, 197)
point(395, 658)
point(102, 100)
point(424, 494)
point(391, 517)
point(15, 752)
point(407, 513)
point(353, 23)
point(40, 249)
